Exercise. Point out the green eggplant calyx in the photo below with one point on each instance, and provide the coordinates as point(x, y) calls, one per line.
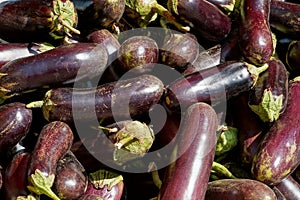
point(47, 105)
point(172, 6)
point(269, 108)
point(35, 104)
point(227, 140)
point(296, 79)
point(104, 177)
point(256, 71)
point(29, 197)
point(41, 184)
point(220, 170)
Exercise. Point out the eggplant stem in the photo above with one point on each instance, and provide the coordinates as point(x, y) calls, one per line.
point(62, 22)
point(111, 130)
point(124, 141)
point(3, 74)
point(35, 104)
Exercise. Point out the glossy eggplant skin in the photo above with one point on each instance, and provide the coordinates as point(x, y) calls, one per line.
point(15, 179)
point(115, 193)
point(223, 81)
point(278, 154)
point(289, 187)
point(293, 58)
point(140, 92)
point(91, 197)
point(235, 189)
point(284, 16)
point(54, 140)
point(71, 179)
point(80, 60)
point(188, 176)
point(15, 120)
point(208, 20)
point(256, 42)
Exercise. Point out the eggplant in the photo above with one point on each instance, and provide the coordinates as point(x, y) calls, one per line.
point(284, 17)
point(1, 177)
point(70, 178)
point(60, 65)
point(292, 58)
point(225, 5)
point(205, 18)
point(122, 99)
point(268, 98)
point(15, 178)
point(278, 154)
point(235, 189)
point(35, 20)
point(212, 85)
point(187, 177)
point(15, 120)
point(91, 197)
point(289, 187)
point(256, 41)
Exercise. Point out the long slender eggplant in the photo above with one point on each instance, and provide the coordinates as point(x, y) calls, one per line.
point(15, 120)
point(15, 179)
point(293, 58)
point(268, 98)
point(206, 19)
point(289, 187)
point(278, 154)
point(235, 189)
point(256, 42)
point(187, 177)
point(223, 81)
point(34, 20)
point(57, 66)
point(120, 100)
point(284, 16)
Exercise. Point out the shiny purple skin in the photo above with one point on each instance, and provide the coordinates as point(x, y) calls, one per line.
point(54, 140)
point(137, 52)
point(70, 180)
point(207, 20)
point(15, 120)
point(279, 154)
point(293, 58)
point(255, 37)
point(284, 16)
point(114, 194)
point(236, 189)
point(188, 176)
point(289, 187)
point(51, 68)
point(90, 197)
point(15, 179)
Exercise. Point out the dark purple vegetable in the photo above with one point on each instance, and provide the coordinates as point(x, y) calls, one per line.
point(293, 58)
point(71, 180)
point(15, 179)
point(187, 177)
point(284, 16)
point(91, 197)
point(15, 122)
point(268, 98)
point(289, 187)
point(1, 177)
point(54, 140)
point(24, 21)
point(278, 154)
point(179, 50)
point(205, 18)
point(255, 37)
point(212, 85)
point(235, 189)
point(57, 66)
point(121, 100)
point(225, 5)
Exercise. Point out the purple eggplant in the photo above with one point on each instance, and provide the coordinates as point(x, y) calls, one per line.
point(293, 58)
point(289, 187)
point(197, 140)
point(278, 154)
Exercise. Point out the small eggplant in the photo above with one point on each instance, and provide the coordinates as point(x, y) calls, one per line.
point(15, 120)
point(197, 142)
point(268, 98)
point(57, 66)
point(289, 187)
point(255, 37)
point(278, 154)
point(235, 189)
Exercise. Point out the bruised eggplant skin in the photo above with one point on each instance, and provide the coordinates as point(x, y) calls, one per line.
point(284, 16)
point(278, 154)
point(235, 189)
point(230, 78)
point(54, 140)
point(207, 19)
point(15, 179)
point(187, 177)
point(142, 92)
point(57, 66)
point(256, 42)
point(15, 120)
point(289, 187)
